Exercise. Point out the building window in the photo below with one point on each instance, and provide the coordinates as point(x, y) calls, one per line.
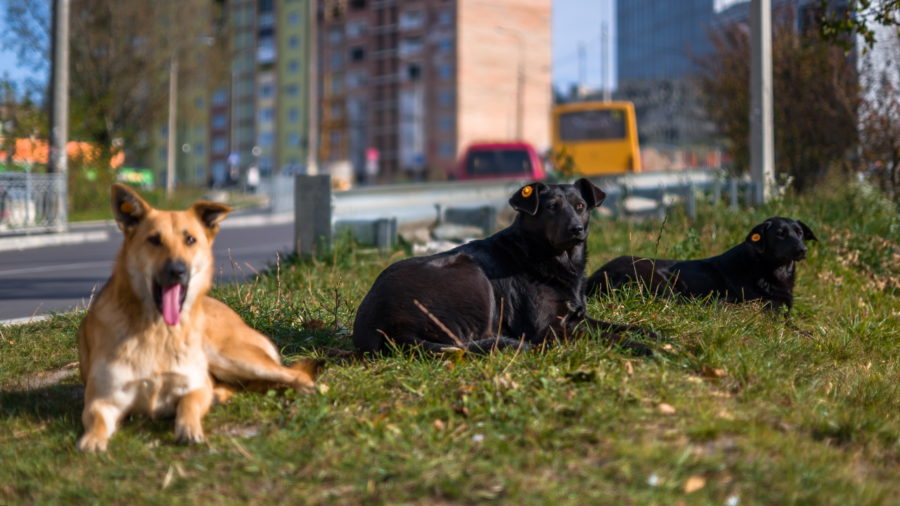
point(199, 173)
point(265, 139)
point(294, 18)
point(336, 111)
point(163, 153)
point(356, 29)
point(445, 45)
point(265, 114)
point(336, 60)
point(294, 115)
point(293, 139)
point(445, 18)
point(293, 90)
point(357, 4)
point(356, 79)
point(220, 97)
point(445, 124)
point(218, 145)
point(294, 66)
point(414, 72)
point(294, 42)
point(265, 90)
point(357, 54)
point(411, 20)
point(219, 121)
point(164, 131)
point(337, 85)
point(445, 98)
point(335, 35)
point(199, 148)
point(218, 171)
point(445, 150)
point(445, 71)
point(199, 130)
point(410, 46)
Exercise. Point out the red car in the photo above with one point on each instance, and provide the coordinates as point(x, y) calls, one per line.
point(500, 160)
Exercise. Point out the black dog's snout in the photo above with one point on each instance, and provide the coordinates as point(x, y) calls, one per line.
point(576, 229)
point(174, 273)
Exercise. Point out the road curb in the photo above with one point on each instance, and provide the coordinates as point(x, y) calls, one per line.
point(23, 321)
point(259, 220)
point(41, 241)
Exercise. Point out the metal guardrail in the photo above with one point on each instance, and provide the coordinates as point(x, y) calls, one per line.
point(32, 203)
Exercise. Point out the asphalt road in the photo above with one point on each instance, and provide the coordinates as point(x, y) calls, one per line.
point(37, 281)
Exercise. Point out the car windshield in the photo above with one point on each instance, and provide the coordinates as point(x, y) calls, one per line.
point(492, 162)
point(592, 125)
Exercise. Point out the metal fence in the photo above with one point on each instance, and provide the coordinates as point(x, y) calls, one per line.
point(32, 203)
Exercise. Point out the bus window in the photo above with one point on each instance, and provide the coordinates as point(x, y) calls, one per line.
point(591, 125)
point(499, 162)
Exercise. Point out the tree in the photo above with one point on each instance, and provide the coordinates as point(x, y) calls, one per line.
point(860, 17)
point(815, 98)
point(879, 119)
point(119, 59)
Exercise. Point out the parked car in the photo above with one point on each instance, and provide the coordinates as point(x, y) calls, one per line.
point(500, 160)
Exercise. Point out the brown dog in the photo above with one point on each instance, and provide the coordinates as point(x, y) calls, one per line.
point(153, 343)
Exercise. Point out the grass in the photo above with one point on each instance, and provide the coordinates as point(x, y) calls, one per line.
point(738, 407)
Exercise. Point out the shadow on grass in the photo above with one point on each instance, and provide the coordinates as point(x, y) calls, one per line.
point(59, 402)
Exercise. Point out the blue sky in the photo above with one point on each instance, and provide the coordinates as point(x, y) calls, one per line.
point(574, 22)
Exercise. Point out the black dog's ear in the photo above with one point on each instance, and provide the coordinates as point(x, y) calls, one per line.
point(591, 194)
point(808, 234)
point(757, 236)
point(127, 206)
point(526, 198)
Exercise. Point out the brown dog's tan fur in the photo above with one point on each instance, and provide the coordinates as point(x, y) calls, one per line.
point(131, 361)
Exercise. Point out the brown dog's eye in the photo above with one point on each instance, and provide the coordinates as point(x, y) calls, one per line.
point(154, 240)
point(189, 240)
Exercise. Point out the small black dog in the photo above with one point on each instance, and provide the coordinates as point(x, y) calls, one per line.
point(525, 282)
point(760, 268)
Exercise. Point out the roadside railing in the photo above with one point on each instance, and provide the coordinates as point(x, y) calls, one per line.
point(31, 203)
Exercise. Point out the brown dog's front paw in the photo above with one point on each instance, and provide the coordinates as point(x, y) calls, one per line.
point(188, 433)
point(90, 443)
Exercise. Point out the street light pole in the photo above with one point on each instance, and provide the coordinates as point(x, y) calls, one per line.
point(173, 100)
point(59, 98)
point(520, 82)
point(312, 117)
point(762, 138)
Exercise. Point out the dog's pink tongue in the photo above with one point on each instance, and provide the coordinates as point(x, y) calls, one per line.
point(171, 299)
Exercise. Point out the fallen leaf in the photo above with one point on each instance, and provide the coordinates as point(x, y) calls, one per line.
point(714, 373)
point(725, 415)
point(322, 388)
point(168, 479)
point(460, 409)
point(629, 368)
point(668, 347)
point(693, 484)
point(314, 324)
point(439, 425)
point(666, 409)
point(448, 364)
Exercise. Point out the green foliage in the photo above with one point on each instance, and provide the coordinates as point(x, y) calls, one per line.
point(766, 411)
point(859, 17)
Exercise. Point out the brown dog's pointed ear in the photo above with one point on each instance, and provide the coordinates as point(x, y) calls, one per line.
point(526, 198)
point(210, 213)
point(757, 236)
point(127, 206)
point(808, 234)
point(590, 192)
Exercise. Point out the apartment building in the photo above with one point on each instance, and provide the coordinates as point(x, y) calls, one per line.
point(413, 82)
point(257, 115)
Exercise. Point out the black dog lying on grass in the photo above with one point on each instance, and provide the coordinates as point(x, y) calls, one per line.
point(760, 268)
point(525, 282)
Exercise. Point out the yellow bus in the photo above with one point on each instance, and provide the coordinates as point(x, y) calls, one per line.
point(601, 137)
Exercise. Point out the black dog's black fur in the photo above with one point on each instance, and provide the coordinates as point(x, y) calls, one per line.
point(760, 268)
point(531, 273)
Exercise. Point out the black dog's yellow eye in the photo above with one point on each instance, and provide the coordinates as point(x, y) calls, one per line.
point(189, 240)
point(552, 207)
point(154, 240)
point(579, 207)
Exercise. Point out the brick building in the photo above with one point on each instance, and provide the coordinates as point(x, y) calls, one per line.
point(419, 80)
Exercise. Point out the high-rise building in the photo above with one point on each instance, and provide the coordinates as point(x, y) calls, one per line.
point(258, 112)
point(414, 82)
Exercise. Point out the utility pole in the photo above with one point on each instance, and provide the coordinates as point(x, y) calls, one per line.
point(604, 61)
point(762, 138)
point(173, 99)
point(581, 64)
point(59, 96)
point(312, 113)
